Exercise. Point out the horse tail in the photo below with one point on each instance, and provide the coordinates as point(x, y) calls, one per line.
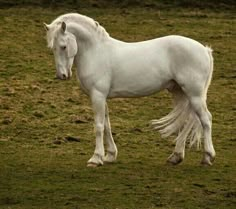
point(182, 120)
point(209, 51)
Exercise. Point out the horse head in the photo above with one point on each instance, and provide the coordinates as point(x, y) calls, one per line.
point(64, 48)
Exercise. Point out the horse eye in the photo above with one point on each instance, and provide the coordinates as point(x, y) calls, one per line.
point(63, 47)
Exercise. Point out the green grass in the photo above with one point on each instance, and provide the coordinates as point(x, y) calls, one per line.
point(35, 109)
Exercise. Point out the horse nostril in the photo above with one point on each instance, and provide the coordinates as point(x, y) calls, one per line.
point(64, 76)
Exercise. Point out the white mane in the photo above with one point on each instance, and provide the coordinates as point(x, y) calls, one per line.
point(87, 22)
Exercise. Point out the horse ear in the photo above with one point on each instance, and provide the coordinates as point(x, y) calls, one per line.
point(46, 27)
point(63, 27)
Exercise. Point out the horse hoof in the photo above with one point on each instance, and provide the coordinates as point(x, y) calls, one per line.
point(95, 161)
point(175, 158)
point(108, 161)
point(110, 157)
point(207, 160)
point(93, 165)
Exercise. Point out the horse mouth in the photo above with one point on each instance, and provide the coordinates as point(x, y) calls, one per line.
point(63, 77)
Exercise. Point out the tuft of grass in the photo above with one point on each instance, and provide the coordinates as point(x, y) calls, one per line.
point(36, 110)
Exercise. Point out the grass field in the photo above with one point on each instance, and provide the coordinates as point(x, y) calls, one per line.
point(39, 169)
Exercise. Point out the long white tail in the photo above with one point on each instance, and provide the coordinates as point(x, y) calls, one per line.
point(182, 120)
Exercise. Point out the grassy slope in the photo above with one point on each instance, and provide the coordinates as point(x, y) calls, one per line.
point(35, 109)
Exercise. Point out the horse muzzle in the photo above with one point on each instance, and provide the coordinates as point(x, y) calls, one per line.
point(64, 76)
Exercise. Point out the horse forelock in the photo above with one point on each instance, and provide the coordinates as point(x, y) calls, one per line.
point(87, 22)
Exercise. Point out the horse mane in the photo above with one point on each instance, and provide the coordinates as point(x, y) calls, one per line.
point(87, 22)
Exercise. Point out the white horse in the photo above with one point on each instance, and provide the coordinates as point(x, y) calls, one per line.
point(109, 68)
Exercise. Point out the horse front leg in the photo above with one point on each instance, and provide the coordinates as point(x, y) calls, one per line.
point(98, 103)
point(111, 152)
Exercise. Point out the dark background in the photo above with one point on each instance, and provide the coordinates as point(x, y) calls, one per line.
point(214, 4)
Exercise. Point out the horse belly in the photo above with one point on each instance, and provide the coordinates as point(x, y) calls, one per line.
point(141, 83)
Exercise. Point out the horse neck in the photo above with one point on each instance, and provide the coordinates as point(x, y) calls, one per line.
point(86, 39)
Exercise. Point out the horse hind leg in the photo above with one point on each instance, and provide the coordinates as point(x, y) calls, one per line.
point(200, 108)
point(174, 122)
point(181, 103)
